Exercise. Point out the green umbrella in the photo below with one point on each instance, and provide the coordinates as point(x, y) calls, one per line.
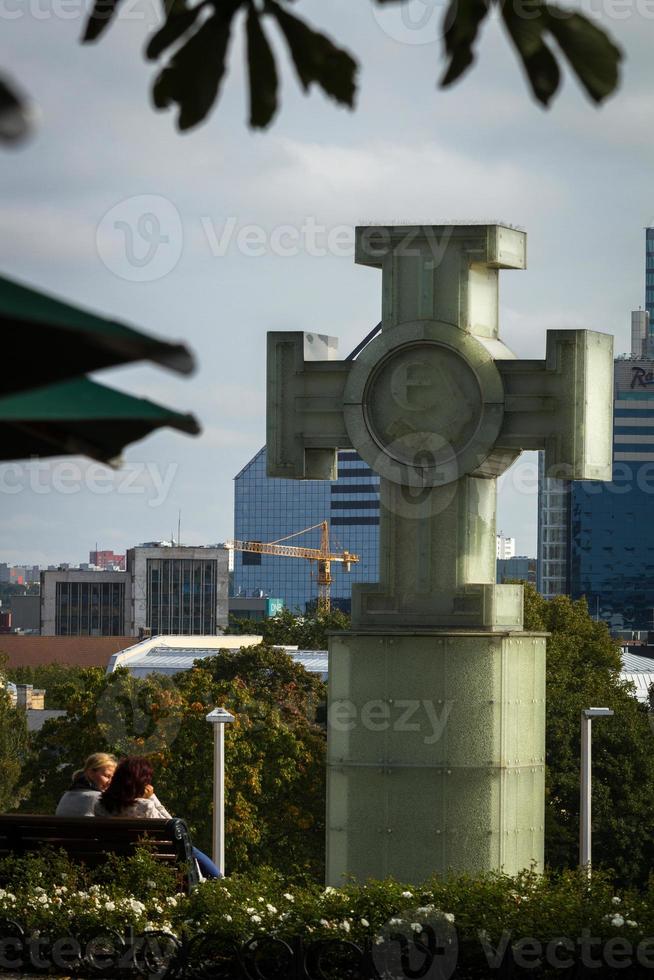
point(80, 417)
point(45, 339)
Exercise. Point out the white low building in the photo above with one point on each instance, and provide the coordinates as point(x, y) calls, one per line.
point(172, 654)
point(639, 670)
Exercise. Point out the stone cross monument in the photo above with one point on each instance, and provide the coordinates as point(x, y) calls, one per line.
point(436, 735)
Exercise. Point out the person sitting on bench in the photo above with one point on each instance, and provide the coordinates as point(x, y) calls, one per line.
point(88, 783)
point(131, 794)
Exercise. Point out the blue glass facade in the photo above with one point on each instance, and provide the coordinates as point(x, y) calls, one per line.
point(649, 272)
point(612, 524)
point(267, 509)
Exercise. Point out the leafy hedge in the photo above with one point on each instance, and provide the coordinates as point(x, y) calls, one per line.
point(478, 917)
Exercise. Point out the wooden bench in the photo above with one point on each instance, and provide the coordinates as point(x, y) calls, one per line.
point(90, 839)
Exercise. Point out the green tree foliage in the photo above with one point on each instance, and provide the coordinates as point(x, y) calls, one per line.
point(287, 629)
point(274, 751)
point(194, 41)
point(61, 682)
point(13, 746)
point(583, 670)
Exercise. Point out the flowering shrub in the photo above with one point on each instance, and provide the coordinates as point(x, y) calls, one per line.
point(476, 918)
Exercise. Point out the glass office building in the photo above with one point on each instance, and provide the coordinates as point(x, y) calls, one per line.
point(649, 272)
point(267, 509)
point(553, 563)
point(612, 524)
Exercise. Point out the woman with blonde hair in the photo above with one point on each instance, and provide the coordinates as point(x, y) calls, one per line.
point(87, 786)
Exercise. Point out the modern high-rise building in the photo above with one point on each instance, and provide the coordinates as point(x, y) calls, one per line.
point(611, 527)
point(268, 509)
point(553, 562)
point(596, 539)
point(649, 272)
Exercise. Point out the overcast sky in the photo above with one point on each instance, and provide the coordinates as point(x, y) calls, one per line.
point(576, 178)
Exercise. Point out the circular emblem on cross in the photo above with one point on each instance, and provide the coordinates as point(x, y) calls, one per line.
point(424, 404)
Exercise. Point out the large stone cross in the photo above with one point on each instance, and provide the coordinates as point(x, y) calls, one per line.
point(439, 407)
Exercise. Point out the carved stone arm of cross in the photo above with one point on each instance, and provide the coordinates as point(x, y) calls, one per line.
point(305, 420)
point(562, 405)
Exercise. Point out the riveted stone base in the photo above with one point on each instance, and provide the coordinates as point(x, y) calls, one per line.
point(436, 753)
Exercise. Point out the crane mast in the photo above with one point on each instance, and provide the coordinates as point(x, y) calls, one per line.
point(323, 557)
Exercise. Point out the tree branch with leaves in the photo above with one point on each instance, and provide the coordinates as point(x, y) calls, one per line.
point(194, 41)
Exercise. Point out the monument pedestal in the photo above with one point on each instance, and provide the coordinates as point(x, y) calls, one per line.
point(436, 753)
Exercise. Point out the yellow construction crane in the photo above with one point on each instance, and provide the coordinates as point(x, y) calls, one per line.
point(322, 556)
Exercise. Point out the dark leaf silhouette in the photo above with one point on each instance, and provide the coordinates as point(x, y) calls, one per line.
point(460, 29)
point(99, 18)
point(526, 23)
point(316, 58)
point(593, 56)
point(15, 123)
point(193, 76)
point(262, 72)
point(178, 23)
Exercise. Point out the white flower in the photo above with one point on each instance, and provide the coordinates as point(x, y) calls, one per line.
point(271, 908)
point(617, 921)
point(416, 926)
point(260, 899)
point(344, 925)
point(324, 922)
point(171, 900)
point(407, 894)
point(425, 909)
point(395, 922)
point(110, 906)
point(227, 917)
point(616, 899)
point(43, 899)
point(288, 897)
point(39, 891)
point(364, 922)
point(256, 919)
point(630, 922)
point(250, 910)
point(329, 890)
point(448, 916)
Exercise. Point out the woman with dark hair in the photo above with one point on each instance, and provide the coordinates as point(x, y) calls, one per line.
point(131, 794)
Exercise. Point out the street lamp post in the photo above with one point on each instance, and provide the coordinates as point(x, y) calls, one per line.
point(585, 833)
point(219, 717)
